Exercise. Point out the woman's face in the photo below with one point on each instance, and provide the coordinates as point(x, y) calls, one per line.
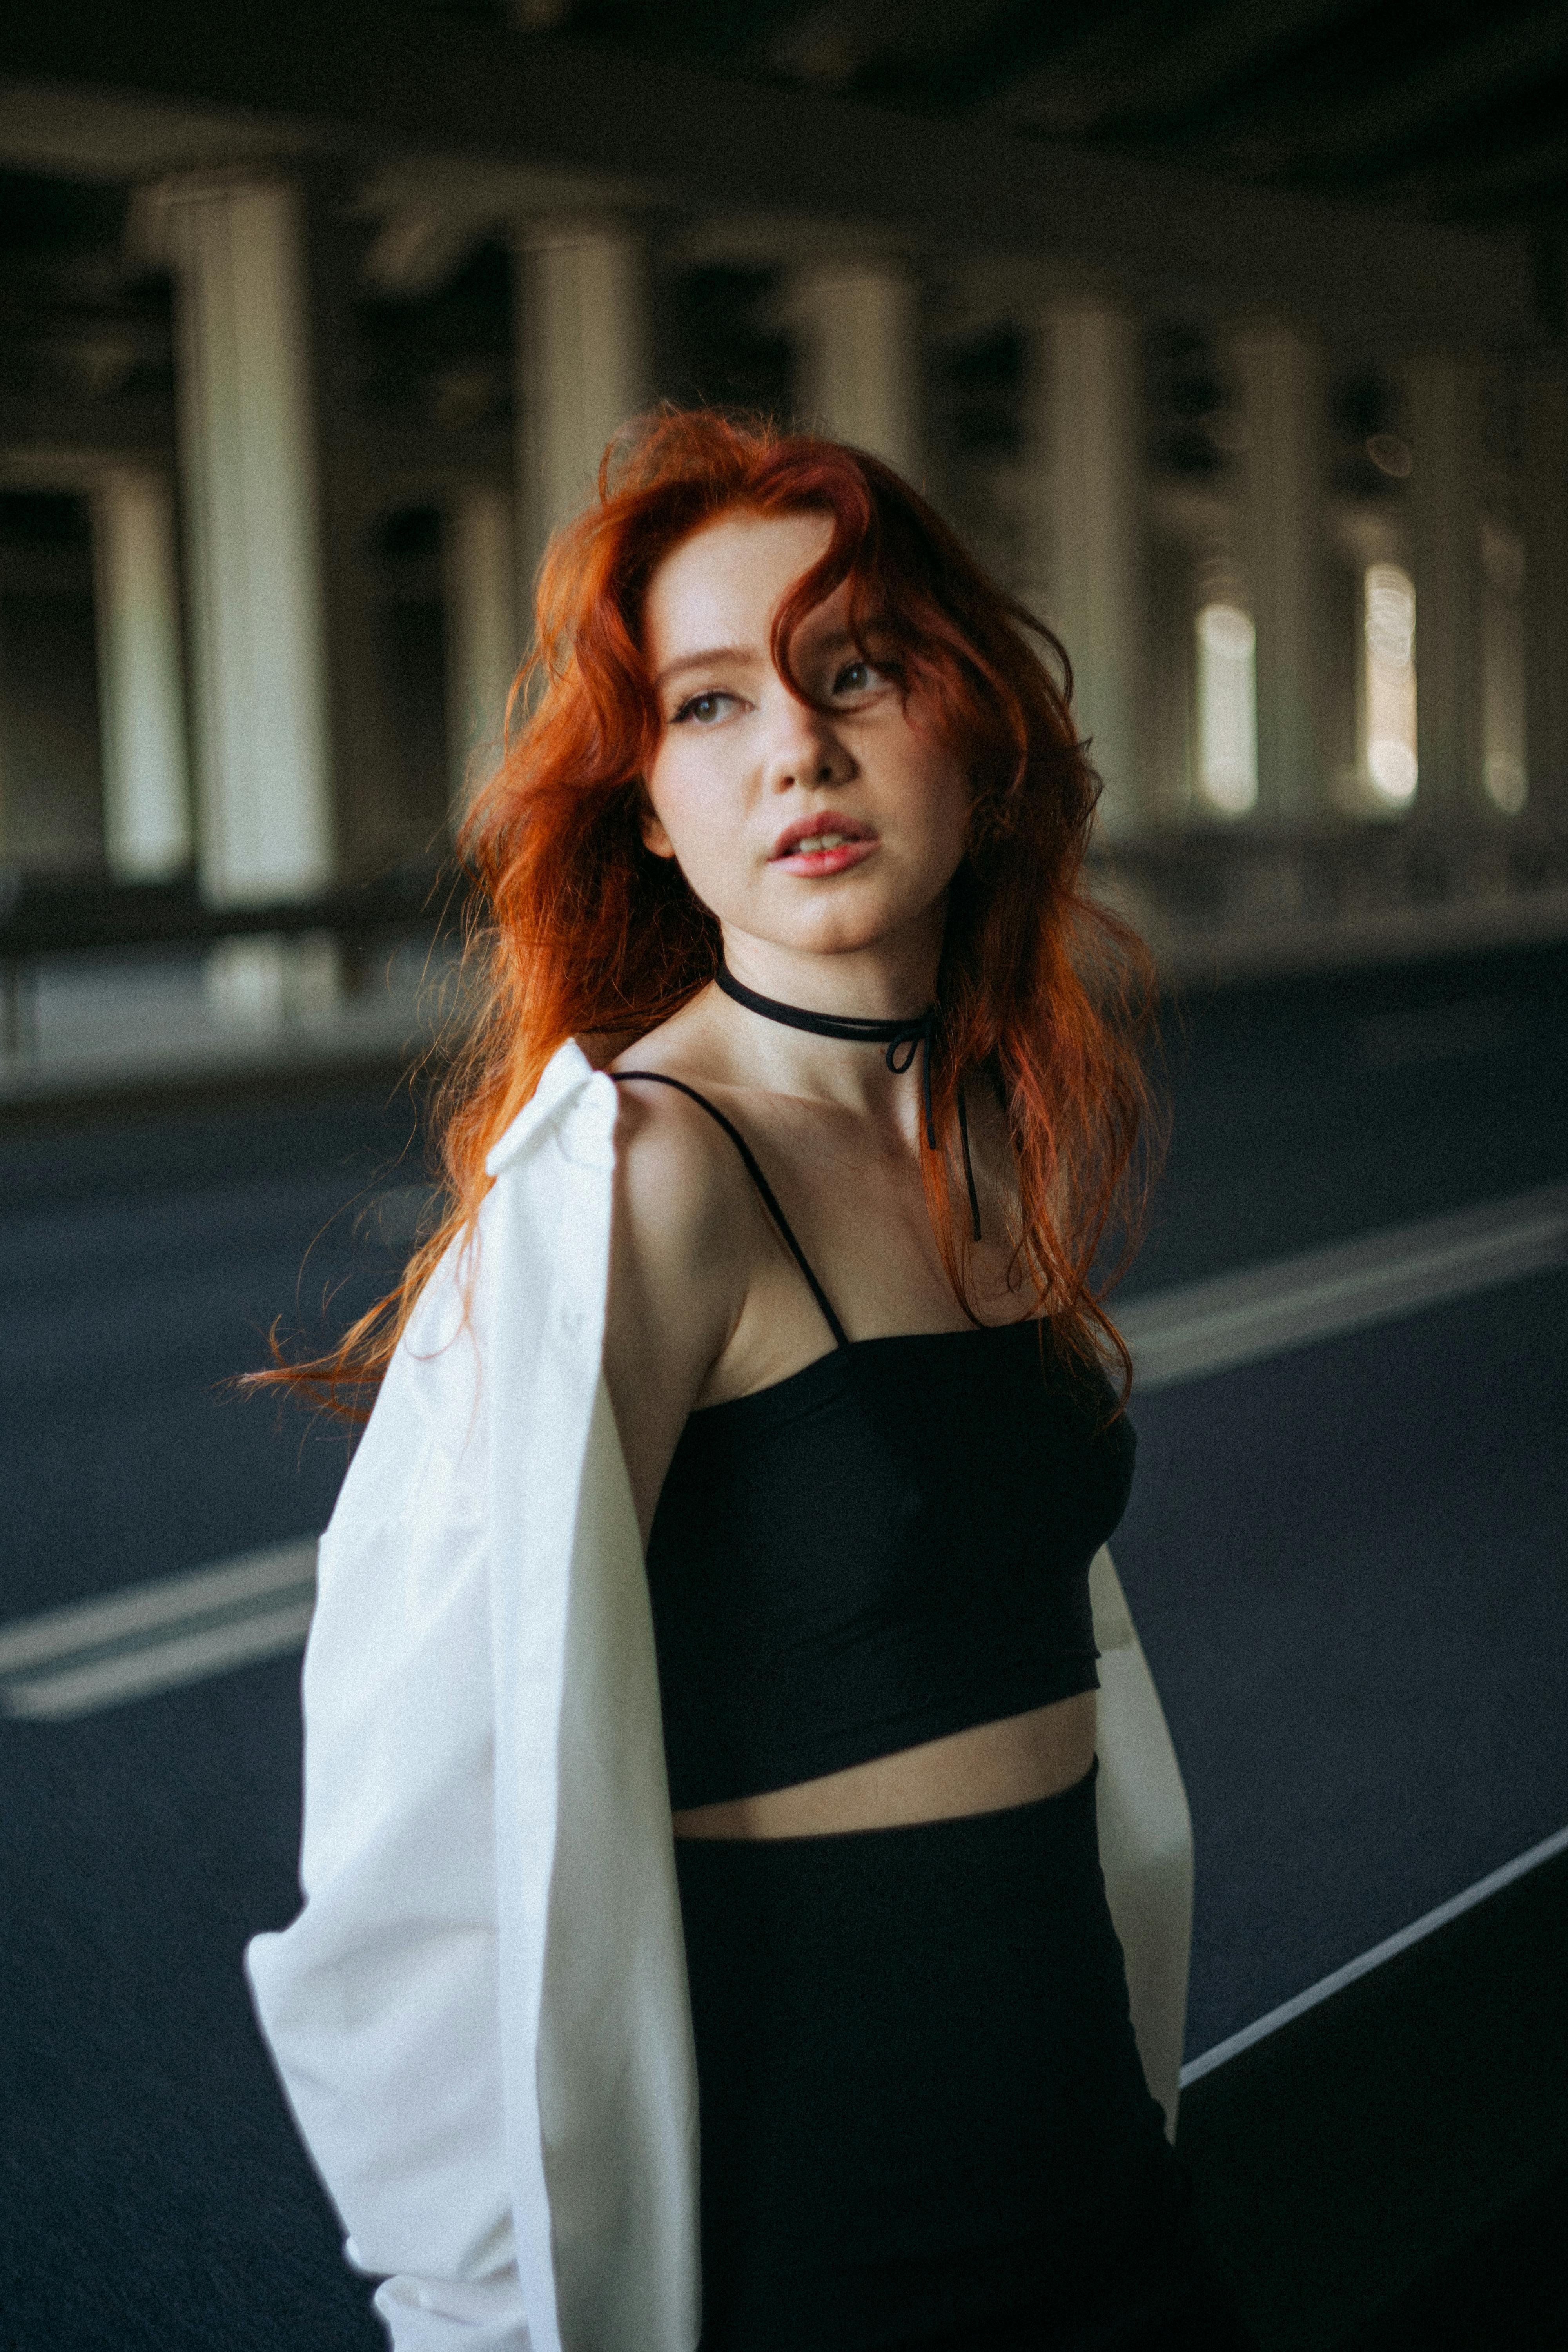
point(820, 832)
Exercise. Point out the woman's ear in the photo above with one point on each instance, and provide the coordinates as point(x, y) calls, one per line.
point(654, 836)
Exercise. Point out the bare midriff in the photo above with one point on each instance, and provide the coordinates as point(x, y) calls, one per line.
point(1016, 1761)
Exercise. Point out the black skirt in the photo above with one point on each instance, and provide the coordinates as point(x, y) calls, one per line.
point(924, 2123)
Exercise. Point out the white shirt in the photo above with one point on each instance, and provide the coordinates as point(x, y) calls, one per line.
point(481, 2015)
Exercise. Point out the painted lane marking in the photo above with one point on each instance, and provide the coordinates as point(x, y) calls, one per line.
point(187, 1657)
point(256, 1578)
point(73, 1661)
point(1189, 1332)
point(95, 1653)
point(1390, 1945)
point(158, 1636)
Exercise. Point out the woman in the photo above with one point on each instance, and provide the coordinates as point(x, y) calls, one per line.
point(741, 1451)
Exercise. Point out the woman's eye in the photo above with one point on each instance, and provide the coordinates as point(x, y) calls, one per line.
point(703, 709)
point(857, 678)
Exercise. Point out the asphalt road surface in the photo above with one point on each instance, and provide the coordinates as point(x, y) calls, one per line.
point(1346, 1560)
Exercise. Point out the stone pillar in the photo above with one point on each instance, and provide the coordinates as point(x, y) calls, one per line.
point(1546, 597)
point(247, 445)
point(857, 326)
point(582, 368)
point(1085, 573)
point(146, 786)
point(1443, 406)
point(1281, 379)
point(482, 652)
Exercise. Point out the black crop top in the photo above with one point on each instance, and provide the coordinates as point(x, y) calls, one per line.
point(890, 1545)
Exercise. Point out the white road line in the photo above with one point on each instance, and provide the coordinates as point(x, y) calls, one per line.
point(155, 1636)
point(95, 1653)
point(254, 1579)
point(1456, 1906)
point(187, 1657)
point(1202, 1328)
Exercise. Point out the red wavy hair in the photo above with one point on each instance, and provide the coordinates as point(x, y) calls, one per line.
point(575, 928)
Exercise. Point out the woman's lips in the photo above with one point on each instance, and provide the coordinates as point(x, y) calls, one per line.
point(824, 845)
point(826, 860)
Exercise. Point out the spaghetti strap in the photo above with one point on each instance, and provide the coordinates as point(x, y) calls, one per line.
point(769, 1200)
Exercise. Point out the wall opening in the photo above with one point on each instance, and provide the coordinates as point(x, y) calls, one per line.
point(1388, 683)
point(51, 770)
point(1503, 773)
point(1226, 760)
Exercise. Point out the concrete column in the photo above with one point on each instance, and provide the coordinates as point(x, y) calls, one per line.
point(482, 652)
point(1443, 406)
point(1279, 375)
point(1546, 597)
point(582, 367)
point(1088, 558)
point(146, 787)
point(857, 326)
point(248, 444)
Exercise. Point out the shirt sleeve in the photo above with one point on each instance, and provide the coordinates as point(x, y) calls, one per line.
point(380, 2003)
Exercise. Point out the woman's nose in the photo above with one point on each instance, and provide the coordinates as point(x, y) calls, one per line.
point(805, 750)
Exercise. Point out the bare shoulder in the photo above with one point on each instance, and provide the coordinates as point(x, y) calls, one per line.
point(681, 1250)
point(679, 1177)
point(685, 1204)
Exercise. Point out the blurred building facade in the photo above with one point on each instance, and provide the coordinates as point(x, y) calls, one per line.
point(288, 412)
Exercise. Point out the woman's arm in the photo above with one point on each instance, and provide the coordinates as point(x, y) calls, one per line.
point(684, 1236)
point(480, 1688)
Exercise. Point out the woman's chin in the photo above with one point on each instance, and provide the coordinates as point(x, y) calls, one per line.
point(845, 925)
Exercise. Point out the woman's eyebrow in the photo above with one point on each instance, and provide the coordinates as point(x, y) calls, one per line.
point(704, 660)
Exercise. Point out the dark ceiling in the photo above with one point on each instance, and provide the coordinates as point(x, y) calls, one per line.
point(1436, 107)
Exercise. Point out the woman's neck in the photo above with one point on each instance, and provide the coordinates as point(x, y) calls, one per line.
point(871, 985)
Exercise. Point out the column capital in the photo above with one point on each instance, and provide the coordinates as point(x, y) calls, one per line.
point(151, 235)
point(1266, 325)
point(573, 232)
point(63, 465)
point(1025, 289)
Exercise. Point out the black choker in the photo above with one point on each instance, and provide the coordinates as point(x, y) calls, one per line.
point(903, 1040)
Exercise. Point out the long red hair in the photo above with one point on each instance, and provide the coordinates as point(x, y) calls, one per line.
point(576, 928)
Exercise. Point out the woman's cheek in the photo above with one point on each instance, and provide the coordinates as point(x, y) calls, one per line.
point(696, 808)
point(714, 877)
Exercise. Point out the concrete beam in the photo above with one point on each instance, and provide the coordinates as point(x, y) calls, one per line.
point(391, 80)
